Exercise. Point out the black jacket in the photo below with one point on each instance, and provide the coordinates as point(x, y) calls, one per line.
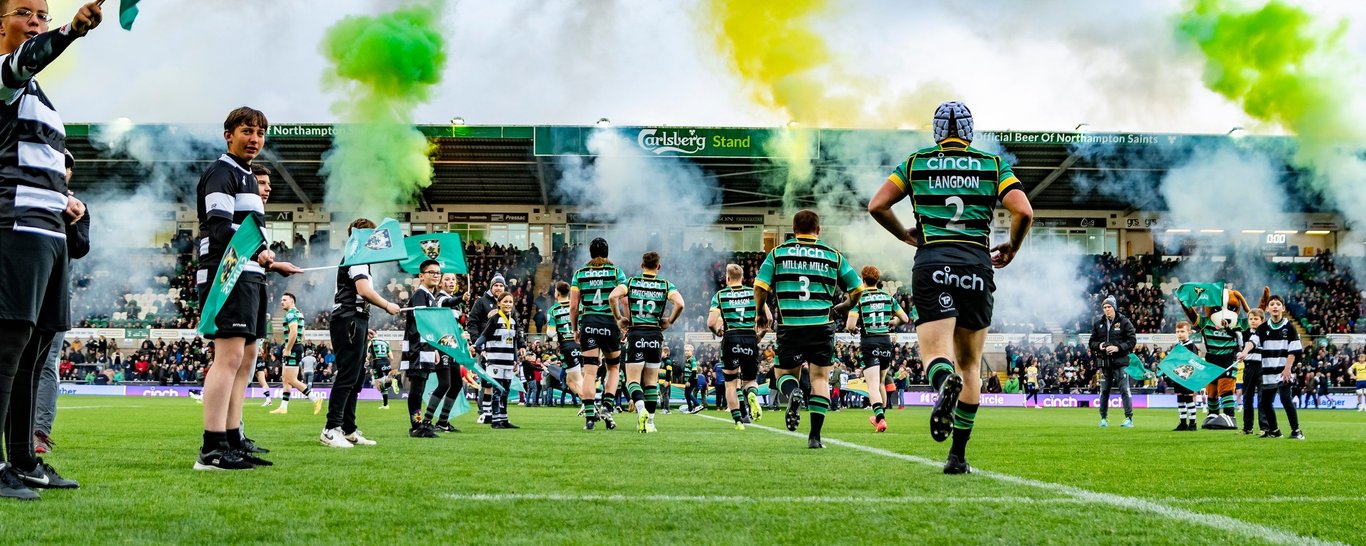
point(1118, 332)
point(479, 314)
point(78, 237)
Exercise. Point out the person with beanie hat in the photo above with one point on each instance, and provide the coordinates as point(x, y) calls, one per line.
point(479, 314)
point(1112, 340)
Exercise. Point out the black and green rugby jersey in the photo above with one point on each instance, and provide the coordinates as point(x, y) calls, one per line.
point(876, 309)
point(558, 319)
point(808, 278)
point(954, 189)
point(296, 317)
point(595, 283)
point(736, 304)
point(646, 295)
point(379, 349)
point(1218, 341)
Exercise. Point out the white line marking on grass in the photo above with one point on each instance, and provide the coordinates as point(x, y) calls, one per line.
point(1260, 500)
point(1223, 523)
point(509, 497)
point(93, 407)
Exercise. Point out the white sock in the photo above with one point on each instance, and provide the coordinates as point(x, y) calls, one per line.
point(284, 404)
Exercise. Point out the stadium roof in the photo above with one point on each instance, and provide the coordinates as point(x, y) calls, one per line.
point(522, 164)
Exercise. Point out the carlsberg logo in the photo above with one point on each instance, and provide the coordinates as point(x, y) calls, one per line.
point(662, 141)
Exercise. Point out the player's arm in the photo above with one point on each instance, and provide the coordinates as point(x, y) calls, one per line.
point(676, 299)
point(761, 290)
point(851, 324)
point(761, 296)
point(614, 302)
point(1294, 350)
point(38, 52)
point(714, 321)
point(367, 292)
point(1021, 219)
point(880, 208)
point(901, 316)
point(574, 311)
point(291, 337)
point(552, 331)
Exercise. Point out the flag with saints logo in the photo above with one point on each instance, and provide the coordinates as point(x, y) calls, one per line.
point(372, 246)
point(446, 248)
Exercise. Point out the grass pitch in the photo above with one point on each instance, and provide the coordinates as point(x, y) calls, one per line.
point(1051, 477)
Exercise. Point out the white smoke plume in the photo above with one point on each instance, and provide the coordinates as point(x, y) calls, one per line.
point(647, 204)
point(124, 225)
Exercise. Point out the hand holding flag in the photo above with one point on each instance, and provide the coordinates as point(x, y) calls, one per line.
point(1188, 369)
point(1201, 294)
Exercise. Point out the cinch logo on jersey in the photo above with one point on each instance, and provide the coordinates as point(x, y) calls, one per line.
point(969, 281)
point(961, 163)
point(659, 142)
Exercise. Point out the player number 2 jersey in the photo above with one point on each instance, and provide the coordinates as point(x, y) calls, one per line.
point(954, 189)
point(807, 277)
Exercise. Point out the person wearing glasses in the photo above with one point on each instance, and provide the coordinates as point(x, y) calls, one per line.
point(35, 210)
point(419, 359)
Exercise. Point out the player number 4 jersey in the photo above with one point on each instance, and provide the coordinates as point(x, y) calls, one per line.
point(595, 284)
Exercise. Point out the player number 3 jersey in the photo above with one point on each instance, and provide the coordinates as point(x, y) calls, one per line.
point(807, 277)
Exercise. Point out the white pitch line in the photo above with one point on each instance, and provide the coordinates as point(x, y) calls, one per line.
point(566, 497)
point(92, 407)
point(1223, 523)
point(509, 497)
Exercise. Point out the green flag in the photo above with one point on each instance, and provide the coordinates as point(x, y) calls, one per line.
point(442, 247)
point(128, 10)
point(1201, 294)
point(1188, 369)
point(438, 328)
point(372, 246)
point(243, 245)
point(1136, 368)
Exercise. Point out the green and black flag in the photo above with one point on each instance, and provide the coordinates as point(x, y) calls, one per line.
point(1188, 369)
point(1201, 294)
point(439, 328)
point(243, 245)
point(442, 247)
point(372, 246)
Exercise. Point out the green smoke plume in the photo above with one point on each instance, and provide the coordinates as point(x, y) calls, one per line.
point(1279, 66)
point(383, 66)
point(1283, 67)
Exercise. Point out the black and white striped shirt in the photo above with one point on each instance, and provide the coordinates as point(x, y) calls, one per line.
point(501, 341)
point(414, 349)
point(1277, 342)
point(33, 140)
point(227, 194)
